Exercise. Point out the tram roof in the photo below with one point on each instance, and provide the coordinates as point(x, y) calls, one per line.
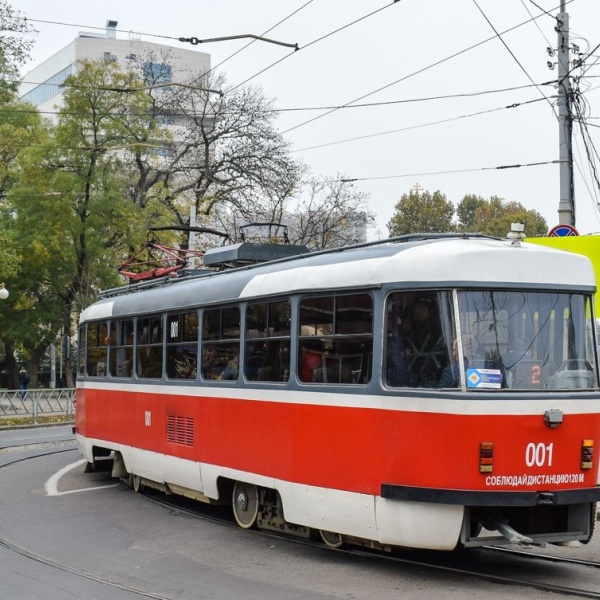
point(446, 261)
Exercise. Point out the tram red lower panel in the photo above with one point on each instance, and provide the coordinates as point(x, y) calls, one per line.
point(353, 449)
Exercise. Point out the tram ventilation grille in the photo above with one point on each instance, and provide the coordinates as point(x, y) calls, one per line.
point(180, 430)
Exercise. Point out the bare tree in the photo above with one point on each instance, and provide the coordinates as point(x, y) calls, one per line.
point(227, 161)
point(330, 213)
point(224, 149)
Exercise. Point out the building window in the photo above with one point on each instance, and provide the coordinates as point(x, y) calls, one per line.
point(49, 89)
point(156, 73)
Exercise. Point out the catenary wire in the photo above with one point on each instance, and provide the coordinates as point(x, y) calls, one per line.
point(315, 41)
point(47, 22)
point(409, 76)
point(536, 23)
point(498, 168)
point(358, 138)
point(544, 10)
point(262, 34)
point(591, 189)
point(311, 108)
point(499, 36)
point(419, 126)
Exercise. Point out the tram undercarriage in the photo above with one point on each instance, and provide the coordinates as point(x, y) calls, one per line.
point(529, 525)
point(254, 506)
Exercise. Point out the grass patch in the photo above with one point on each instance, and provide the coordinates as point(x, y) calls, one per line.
point(17, 421)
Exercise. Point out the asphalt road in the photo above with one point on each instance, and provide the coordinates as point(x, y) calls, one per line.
point(66, 534)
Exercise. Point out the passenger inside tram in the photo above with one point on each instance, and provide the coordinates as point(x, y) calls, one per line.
point(451, 373)
point(416, 347)
point(312, 352)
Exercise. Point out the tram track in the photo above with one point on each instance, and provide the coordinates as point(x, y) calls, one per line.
point(548, 557)
point(441, 562)
point(45, 452)
point(38, 450)
point(79, 573)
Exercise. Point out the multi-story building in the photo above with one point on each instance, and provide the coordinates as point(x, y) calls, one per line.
point(167, 64)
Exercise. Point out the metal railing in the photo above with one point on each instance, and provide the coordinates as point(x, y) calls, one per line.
point(37, 403)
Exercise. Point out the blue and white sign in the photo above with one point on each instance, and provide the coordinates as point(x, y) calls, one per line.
point(484, 378)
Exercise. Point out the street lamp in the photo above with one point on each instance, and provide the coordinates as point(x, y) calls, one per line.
point(3, 292)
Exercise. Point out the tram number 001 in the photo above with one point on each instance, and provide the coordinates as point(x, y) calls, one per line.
point(538, 455)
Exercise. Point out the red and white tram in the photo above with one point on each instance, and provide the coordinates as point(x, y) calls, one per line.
point(426, 392)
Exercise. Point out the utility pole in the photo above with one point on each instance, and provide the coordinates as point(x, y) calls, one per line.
point(566, 206)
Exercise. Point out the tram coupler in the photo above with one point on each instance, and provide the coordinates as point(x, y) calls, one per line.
point(513, 536)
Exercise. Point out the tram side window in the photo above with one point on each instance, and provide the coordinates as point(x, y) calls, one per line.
point(419, 333)
point(97, 348)
point(121, 348)
point(182, 345)
point(336, 339)
point(221, 343)
point(267, 352)
point(150, 347)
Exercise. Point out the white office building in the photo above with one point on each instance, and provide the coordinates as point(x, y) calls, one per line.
point(41, 86)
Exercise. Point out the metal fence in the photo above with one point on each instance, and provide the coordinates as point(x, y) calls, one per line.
point(35, 404)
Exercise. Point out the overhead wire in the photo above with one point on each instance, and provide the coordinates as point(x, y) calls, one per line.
point(353, 105)
point(411, 100)
point(542, 9)
point(499, 36)
point(500, 167)
point(381, 133)
point(128, 31)
point(311, 108)
point(262, 34)
point(536, 23)
point(588, 55)
point(591, 189)
point(409, 76)
point(590, 149)
point(419, 126)
point(315, 41)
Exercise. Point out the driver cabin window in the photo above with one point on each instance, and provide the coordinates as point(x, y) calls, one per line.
point(418, 343)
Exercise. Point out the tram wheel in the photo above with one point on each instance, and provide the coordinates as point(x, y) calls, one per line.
point(331, 539)
point(245, 504)
point(137, 484)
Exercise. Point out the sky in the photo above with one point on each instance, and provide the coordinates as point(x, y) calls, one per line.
point(455, 89)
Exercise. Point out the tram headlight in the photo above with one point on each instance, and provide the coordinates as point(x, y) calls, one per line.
point(486, 457)
point(587, 454)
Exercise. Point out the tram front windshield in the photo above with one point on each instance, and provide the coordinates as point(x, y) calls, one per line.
point(528, 340)
point(508, 340)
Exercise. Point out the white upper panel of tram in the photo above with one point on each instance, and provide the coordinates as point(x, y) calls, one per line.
point(437, 262)
point(447, 262)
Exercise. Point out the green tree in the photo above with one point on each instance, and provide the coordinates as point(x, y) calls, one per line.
point(83, 223)
point(467, 209)
point(419, 211)
point(16, 42)
point(495, 216)
point(20, 127)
